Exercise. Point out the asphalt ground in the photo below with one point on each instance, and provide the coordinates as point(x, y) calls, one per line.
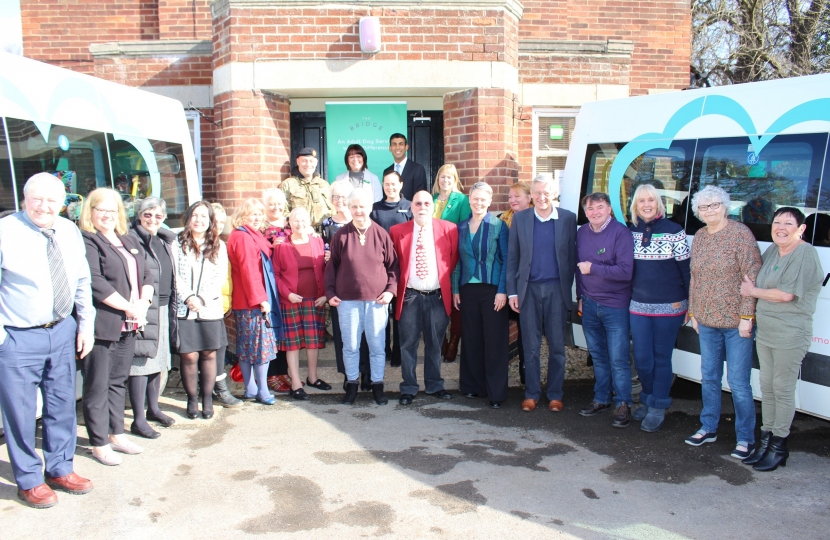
point(435, 469)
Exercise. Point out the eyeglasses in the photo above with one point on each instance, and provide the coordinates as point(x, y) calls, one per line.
point(147, 215)
point(339, 197)
point(705, 207)
point(107, 212)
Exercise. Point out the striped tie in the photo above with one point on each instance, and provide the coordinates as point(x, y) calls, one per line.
point(61, 295)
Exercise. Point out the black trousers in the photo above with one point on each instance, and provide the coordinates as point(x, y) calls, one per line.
point(486, 342)
point(105, 371)
point(393, 342)
point(278, 366)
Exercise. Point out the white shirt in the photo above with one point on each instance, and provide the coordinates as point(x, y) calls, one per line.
point(553, 215)
point(430, 283)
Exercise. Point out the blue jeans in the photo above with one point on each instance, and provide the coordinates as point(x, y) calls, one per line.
point(359, 317)
point(607, 334)
point(717, 345)
point(654, 339)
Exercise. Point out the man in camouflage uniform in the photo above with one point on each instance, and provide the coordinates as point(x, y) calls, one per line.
point(308, 189)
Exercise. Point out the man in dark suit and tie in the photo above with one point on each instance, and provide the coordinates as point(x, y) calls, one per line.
point(413, 175)
point(427, 249)
point(541, 262)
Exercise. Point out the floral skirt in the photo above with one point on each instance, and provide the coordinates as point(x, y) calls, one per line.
point(255, 343)
point(303, 326)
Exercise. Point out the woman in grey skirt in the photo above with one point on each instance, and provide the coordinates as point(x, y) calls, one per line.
point(152, 344)
point(201, 270)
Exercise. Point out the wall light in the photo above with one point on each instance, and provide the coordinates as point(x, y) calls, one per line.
point(370, 35)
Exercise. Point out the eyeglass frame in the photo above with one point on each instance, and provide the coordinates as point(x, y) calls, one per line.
point(714, 206)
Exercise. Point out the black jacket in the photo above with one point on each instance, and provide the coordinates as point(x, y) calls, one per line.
point(109, 272)
point(387, 214)
point(414, 178)
point(147, 341)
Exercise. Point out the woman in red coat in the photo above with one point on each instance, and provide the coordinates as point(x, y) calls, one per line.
point(298, 268)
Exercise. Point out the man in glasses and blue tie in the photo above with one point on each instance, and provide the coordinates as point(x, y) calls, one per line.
point(44, 276)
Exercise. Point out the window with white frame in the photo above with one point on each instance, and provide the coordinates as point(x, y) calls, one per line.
point(196, 138)
point(552, 129)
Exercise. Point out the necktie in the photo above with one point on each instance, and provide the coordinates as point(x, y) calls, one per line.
point(398, 168)
point(61, 295)
point(420, 256)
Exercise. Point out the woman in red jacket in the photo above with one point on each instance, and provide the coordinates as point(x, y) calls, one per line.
point(298, 268)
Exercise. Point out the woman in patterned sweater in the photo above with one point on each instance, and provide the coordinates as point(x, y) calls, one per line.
point(722, 254)
point(659, 301)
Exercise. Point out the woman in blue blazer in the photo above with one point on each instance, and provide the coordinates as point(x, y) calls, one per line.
point(479, 286)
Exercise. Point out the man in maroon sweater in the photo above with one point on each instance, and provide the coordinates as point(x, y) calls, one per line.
point(427, 249)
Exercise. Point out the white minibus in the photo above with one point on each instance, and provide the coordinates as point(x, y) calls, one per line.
point(765, 143)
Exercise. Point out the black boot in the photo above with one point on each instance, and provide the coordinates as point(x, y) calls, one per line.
point(761, 449)
point(223, 396)
point(377, 392)
point(365, 382)
point(351, 393)
point(776, 455)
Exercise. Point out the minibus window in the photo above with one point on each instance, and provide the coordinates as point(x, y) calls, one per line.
point(173, 180)
point(785, 173)
point(818, 224)
point(6, 184)
point(76, 156)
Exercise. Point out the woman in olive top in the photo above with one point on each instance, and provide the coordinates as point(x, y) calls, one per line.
point(450, 205)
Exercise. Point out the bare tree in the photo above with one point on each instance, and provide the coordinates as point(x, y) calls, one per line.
point(735, 41)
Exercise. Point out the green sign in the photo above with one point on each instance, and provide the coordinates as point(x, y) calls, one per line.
point(556, 133)
point(367, 123)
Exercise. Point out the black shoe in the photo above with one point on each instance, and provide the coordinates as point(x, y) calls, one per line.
point(377, 392)
point(351, 393)
point(406, 399)
point(442, 394)
point(207, 415)
point(594, 408)
point(223, 396)
point(299, 394)
point(161, 418)
point(395, 363)
point(622, 416)
point(495, 404)
point(148, 433)
point(319, 384)
point(472, 395)
point(365, 382)
point(192, 408)
point(776, 455)
point(760, 449)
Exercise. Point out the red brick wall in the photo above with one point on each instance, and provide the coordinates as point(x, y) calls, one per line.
point(164, 71)
point(481, 139)
point(660, 31)
point(185, 19)
point(574, 69)
point(244, 34)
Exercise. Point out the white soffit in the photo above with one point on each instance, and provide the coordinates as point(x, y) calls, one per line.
point(562, 95)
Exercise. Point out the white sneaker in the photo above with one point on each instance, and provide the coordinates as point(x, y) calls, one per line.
point(126, 446)
point(106, 456)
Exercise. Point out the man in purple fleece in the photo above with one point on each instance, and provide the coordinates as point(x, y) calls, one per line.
point(605, 251)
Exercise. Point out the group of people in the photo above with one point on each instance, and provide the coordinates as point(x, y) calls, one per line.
point(395, 264)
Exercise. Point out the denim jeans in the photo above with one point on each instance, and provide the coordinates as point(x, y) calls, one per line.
point(422, 315)
point(717, 345)
point(654, 339)
point(607, 334)
point(359, 317)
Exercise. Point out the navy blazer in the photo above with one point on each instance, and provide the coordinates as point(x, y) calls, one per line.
point(520, 253)
point(109, 272)
point(414, 178)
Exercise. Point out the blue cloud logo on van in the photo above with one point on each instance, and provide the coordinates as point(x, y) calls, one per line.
point(817, 109)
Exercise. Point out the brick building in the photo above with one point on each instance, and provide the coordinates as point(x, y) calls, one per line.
point(483, 79)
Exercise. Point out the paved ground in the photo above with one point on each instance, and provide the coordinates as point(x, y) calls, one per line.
point(436, 469)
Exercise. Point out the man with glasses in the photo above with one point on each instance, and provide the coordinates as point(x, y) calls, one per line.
point(308, 189)
point(44, 277)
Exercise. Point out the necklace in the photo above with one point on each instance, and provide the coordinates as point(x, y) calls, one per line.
point(362, 235)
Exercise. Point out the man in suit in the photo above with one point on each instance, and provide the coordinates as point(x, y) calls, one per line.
point(427, 249)
point(540, 273)
point(413, 175)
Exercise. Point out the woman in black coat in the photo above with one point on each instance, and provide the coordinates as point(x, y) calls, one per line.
point(152, 343)
point(122, 291)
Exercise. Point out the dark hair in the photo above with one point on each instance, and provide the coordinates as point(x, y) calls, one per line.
point(393, 173)
point(596, 197)
point(793, 211)
point(397, 136)
point(211, 235)
point(356, 149)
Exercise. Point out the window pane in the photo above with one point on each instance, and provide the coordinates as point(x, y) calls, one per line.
point(173, 181)
point(76, 156)
point(6, 184)
point(818, 224)
point(553, 138)
point(785, 173)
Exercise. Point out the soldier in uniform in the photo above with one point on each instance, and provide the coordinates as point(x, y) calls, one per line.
point(308, 189)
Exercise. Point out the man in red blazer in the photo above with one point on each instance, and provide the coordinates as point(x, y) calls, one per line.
point(427, 249)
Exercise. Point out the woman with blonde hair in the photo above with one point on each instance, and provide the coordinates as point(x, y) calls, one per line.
point(255, 302)
point(122, 291)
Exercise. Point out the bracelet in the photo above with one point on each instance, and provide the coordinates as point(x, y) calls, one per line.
point(747, 317)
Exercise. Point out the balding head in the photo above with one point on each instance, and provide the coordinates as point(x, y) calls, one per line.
point(44, 196)
point(422, 207)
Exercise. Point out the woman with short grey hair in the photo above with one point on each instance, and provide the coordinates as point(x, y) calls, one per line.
point(152, 344)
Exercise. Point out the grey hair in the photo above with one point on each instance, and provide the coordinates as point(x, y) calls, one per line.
point(273, 193)
point(297, 211)
point(483, 186)
point(547, 178)
point(341, 186)
point(711, 194)
point(43, 178)
point(651, 190)
point(361, 194)
point(152, 202)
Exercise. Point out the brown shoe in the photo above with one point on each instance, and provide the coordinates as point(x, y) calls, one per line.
point(40, 496)
point(528, 405)
point(71, 483)
point(452, 350)
point(555, 405)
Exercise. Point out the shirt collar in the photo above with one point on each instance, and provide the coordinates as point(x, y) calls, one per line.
point(402, 164)
point(553, 215)
point(604, 225)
